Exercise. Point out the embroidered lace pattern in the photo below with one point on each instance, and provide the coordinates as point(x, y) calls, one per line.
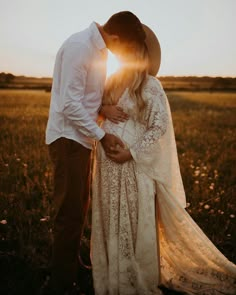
point(130, 255)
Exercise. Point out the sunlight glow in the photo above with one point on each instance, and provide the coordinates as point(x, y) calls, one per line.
point(183, 53)
point(113, 64)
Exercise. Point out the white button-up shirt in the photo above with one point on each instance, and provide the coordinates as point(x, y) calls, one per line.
point(77, 89)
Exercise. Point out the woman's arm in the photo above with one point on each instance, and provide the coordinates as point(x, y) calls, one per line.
point(157, 122)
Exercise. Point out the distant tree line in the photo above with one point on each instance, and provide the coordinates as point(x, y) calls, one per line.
point(190, 83)
point(6, 77)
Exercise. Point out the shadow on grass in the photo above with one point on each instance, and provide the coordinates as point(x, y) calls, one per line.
point(18, 277)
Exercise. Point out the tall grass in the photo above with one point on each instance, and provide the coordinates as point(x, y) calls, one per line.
point(205, 133)
point(25, 170)
point(206, 140)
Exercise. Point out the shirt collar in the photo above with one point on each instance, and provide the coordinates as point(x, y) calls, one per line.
point(97, 37)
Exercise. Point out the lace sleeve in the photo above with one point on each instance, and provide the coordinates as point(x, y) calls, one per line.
point(157, 120)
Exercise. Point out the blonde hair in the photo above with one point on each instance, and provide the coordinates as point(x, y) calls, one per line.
point(135, 71)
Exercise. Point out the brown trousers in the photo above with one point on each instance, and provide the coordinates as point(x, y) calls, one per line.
point(71, 163)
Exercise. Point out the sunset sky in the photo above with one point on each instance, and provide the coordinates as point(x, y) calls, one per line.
point(197, 37)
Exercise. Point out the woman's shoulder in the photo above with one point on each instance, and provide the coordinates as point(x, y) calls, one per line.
point(153, 81)
point(152, 86)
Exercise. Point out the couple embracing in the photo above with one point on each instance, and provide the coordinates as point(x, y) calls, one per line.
point(142, 237)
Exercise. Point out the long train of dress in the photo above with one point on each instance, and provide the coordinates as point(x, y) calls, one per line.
point(142, 237)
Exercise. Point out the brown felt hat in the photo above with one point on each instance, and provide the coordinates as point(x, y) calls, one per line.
point(154, 50)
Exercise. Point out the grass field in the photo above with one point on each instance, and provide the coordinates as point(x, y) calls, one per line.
point(205, 132)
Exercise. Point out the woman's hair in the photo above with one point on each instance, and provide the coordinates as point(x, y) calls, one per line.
point(136, 72)
point(127, 26)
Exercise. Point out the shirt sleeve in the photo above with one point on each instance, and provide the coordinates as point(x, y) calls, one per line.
point(75, 63)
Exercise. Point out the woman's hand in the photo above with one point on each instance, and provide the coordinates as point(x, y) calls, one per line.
point(114, 113)
point(119, 155)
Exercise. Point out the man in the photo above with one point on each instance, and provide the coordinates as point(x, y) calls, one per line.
point(78, 82)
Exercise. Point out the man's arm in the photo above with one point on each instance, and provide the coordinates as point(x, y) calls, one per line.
point(74, 69)
point(75, 63)
point(120, 155)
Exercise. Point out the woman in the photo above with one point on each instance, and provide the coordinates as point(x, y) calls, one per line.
point(142, 237)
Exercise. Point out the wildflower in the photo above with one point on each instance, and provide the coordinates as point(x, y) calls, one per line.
point(46, 218)
point(196, 181)
point(6, 165)
point(201, 203)
point(196, 172)
point(217, 200)
point(211, 187)
point(222, 212)
point(212, 211)
point(205, 167)
point(18, 159)
point(203, 174)
point(232, 216)
point(206, 206)
point(25, 165)
point(187, 205)
point(228, 235)
point(3, 221)
point(43, 219)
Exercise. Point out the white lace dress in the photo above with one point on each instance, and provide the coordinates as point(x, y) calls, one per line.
point(142, 237)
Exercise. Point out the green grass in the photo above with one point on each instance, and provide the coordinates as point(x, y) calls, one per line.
point(205, 132)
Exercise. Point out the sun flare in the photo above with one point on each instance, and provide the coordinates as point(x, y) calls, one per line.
point(113, 64)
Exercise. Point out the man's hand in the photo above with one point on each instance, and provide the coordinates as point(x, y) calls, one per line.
point(119, 155)
point(114, 113)
point(110, 142)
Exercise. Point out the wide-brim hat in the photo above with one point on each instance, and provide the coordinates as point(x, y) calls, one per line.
point(154, 50)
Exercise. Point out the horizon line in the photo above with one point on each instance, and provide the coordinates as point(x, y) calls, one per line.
point(162, 76)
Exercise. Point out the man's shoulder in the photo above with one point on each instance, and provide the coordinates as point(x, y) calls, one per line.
point(75, 43)
point(82, 37)
point(79, 41)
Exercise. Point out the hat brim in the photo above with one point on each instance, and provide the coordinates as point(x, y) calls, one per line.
point(154, 50)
